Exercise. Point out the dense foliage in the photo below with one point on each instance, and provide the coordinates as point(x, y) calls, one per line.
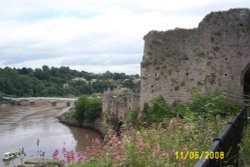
point(87, 108)
point(158, 135)
point(1, 96)
point(200, 106)
point(245, 148)
point(159, 145)
point(60, 81)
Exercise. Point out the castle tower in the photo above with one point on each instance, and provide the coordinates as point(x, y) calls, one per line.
point(216, 55)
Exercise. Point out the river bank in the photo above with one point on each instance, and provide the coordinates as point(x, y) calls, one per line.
point(22, 126)
point(98, 125)
point(2, 105)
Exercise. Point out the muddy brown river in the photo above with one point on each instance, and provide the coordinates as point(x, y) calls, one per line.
point(21, 126)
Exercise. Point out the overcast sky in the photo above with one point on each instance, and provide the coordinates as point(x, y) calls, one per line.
point(92, 35)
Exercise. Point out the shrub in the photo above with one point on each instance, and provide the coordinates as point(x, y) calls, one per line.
point(94, 109)
point(132, 117)
point(88, 109)
point(80, 108)
point(70, 114)
point(1, 96)
point(245, 148)
point(216, 104)
point(154, 146)
point(156, 110)
point(166, 136)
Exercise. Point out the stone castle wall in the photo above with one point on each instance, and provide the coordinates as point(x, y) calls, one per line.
point(214, 55)
point(117, 103)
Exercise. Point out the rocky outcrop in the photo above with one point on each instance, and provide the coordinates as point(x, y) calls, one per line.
point(99, 125)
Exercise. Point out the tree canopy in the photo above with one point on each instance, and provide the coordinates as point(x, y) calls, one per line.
point(88, 108)
point(61, 81)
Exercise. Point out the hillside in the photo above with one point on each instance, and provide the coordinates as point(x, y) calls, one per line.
point(61, 81)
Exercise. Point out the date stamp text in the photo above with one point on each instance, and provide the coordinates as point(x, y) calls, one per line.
point(199, 154)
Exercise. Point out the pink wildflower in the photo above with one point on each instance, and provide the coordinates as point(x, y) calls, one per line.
point(139, 143)
point(112, 133)
point(164, 154)
point(121, 131)
point(132, 134)
point(206, 135)
point(70, 156)
point(64, 150)
point(156, 150)
point(115, 139)
point(172, 123)
point(97, 141)
point(170, 127)
point(118, 158)
point(55, 154)
point(184, 150)
point(96, 149)
point(80, 158)
point(181, 162)
point(141, 148)
point(113, 146)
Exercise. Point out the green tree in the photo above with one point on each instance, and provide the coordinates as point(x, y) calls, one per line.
point(80, 108)
point(94, 109)
point(1, 96)
point(40, 74)
point(80, 87)
point(117, 76)
point(107, 75)
point(88, 109)
point(47, 81)
point(100, 86)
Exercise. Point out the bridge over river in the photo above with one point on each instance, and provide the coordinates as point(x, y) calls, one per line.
point(34, 100)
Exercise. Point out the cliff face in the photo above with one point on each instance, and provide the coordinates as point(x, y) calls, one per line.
point(214, 55)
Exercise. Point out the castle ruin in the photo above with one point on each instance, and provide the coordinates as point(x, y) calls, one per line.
point(216, 55)
point(118, 102)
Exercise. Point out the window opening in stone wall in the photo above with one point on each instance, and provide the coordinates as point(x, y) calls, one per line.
point(247, 84)
point(156, 74)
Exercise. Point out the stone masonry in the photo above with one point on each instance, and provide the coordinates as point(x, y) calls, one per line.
point(216, 55)
point(118, 102)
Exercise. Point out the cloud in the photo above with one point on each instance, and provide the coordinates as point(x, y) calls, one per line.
point(90, 34)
